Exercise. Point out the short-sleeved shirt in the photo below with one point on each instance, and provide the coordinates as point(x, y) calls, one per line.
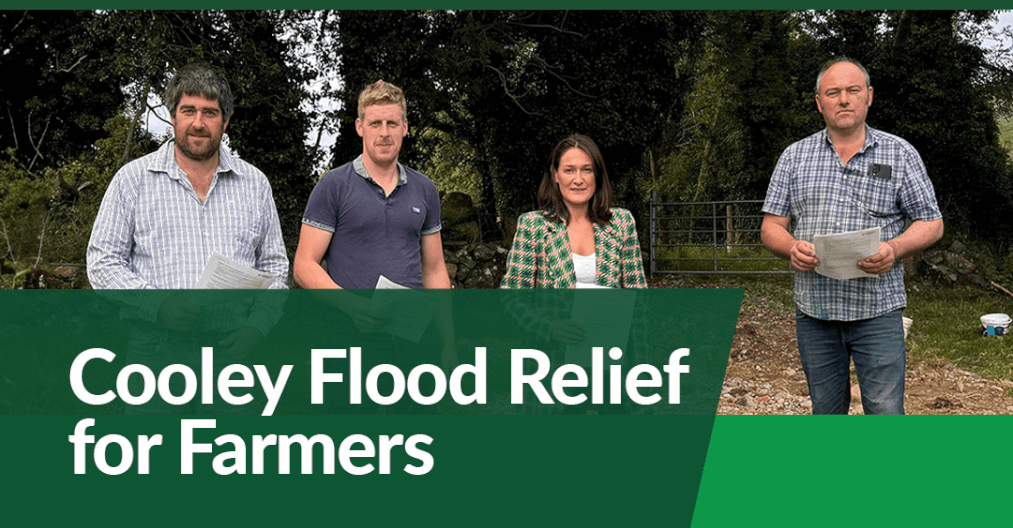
point(373, 233)
point(883, 185)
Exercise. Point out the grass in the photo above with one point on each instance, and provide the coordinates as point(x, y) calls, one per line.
point(946, 318)
point(947, 325)
point(729, 258)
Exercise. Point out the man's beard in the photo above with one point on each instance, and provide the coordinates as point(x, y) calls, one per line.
point(197, 154)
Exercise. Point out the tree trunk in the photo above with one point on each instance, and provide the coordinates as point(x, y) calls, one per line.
point(142, 103)
point(903, 33)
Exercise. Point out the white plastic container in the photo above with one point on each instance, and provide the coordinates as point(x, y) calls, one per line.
point(996, 324)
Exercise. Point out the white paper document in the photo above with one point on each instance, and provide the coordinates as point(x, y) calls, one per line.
point(606, 320)
point(839, 254)
point(410, 310)
point(223, 273)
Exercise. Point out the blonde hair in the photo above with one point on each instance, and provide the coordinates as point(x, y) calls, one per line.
point(382, 93)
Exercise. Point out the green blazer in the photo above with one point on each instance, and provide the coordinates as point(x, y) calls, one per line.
point(541, 257)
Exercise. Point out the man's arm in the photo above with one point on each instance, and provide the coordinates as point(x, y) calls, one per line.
point(434, 276)
point(308, 273)
point(434, 268)
point(775, 237)
point(918, 236)
point(271, 256)
point(112, 240)
point(108, 260)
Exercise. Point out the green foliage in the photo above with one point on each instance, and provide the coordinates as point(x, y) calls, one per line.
point(511, 84)
point(1006, 135)
point(695, 105)
point(59, 88)
point(745, 107)
point(451, 163)
point(46, 216)
point(931, 91)
point(935, 84)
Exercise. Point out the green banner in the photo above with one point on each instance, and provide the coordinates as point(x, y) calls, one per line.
point(796, 471)
point(559, 407)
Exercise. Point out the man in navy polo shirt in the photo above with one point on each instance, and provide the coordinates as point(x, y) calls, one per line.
point(850, 177)
point(371, 217)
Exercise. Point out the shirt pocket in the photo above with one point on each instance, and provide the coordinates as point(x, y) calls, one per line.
point(877, 197)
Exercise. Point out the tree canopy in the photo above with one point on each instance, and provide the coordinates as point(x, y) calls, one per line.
point(694, 105)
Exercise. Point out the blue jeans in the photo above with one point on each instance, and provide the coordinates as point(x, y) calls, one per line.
point(877, 347)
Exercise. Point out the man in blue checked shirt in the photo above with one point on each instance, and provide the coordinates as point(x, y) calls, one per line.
point(165, 214)
point(850, 177)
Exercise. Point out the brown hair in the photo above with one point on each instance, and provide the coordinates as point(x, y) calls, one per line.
point(550, 200)
point(382, 93)
point(199, 79)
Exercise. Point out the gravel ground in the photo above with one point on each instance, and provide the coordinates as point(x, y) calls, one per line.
point(764, 374)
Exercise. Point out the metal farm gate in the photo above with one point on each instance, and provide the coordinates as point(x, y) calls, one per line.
point(710, 238)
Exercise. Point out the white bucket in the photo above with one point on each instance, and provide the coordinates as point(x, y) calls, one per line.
point(996, 324)
point(907, 325)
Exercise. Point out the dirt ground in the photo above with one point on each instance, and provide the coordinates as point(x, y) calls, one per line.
point(765, 375)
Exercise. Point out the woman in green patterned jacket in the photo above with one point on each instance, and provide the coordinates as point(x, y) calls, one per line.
point(576, 238)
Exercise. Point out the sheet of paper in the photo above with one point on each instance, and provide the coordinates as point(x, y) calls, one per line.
point(606, 319)
point(410, 310)
point(839, 254)
point(223, 273)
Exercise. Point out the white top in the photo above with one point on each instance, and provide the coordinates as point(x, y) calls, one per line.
point(584, 268)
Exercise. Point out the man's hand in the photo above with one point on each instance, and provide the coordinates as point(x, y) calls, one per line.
point(365, 318)
point(179, 313)
point(881, 262)
point(568, 331)
point(242, 342)
point(803, 256)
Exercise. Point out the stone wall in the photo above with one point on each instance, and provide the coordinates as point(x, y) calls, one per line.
point(475, 265)
point(470, 263)
point(950, 265)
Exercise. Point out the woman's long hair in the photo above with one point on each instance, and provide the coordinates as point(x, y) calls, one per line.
point(550, 199)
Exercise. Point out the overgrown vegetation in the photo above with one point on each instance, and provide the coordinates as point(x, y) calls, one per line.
point(694, 105)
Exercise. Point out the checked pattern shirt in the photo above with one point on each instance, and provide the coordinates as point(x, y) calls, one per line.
point(883, 185)
point(152, 232)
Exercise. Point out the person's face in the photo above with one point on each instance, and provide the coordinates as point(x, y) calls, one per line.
point(844, 98)
point(198, 126)
point(575, 176)
point(382, 129)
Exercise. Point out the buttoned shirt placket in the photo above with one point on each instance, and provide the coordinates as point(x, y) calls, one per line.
point(208, 243)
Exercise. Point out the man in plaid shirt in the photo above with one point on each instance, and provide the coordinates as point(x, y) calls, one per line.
point(844, 178)
point(162, 218)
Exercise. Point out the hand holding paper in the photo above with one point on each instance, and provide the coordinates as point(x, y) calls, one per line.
point(881, 262)
point(839, 254)
point(223, 273)
point(410, 310)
